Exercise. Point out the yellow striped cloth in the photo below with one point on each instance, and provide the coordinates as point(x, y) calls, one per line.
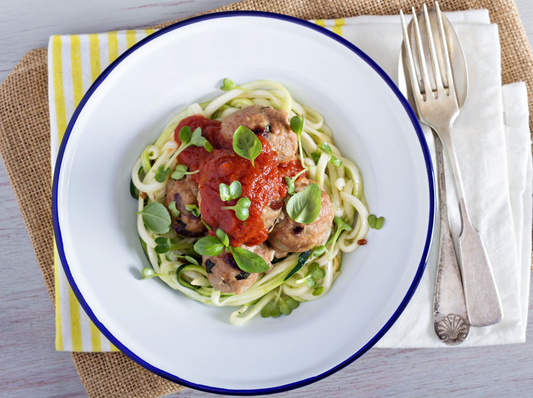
point(74, 63)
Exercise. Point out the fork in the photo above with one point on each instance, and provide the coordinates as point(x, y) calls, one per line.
point(438, 108)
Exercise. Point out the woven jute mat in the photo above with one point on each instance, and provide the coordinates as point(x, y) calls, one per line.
point(24, 112)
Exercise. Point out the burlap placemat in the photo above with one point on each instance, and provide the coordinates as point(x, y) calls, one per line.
point(25, 150)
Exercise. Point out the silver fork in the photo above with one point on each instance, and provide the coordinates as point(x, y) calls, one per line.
point(438, 108)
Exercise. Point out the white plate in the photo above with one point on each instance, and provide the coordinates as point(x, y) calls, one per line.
point(94, 221)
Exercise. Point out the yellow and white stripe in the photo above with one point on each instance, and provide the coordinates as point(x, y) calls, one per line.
point(335, 25)
point(74, 63)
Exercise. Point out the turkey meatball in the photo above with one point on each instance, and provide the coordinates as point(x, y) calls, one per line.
point(185, 192)
point(226, 276)
point(273, 124)
point(291, 236)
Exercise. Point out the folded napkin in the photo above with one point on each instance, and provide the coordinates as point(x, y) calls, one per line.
point(504, 199)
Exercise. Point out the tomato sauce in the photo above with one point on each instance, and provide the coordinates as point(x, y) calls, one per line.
point(194, 155)
point(260, 183)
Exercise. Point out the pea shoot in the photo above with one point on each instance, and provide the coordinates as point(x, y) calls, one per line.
point(161, 174)
point(241, 208)
point(341, 226)
point(189, 138)
point(376, 222)
point(228, 85)
point(297, 125)
point(246, 144)
point(291, 181)
point(181, 171)
point(233, 191)
point(326, 148)
point(173, 209)
point(194, 210)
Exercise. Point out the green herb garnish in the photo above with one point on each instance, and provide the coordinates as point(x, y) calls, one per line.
point(194, 210)
point(246, 144)
point(222, 236)
point(332, 159)
point(341, 226)
point(228, 85)
point(318, 291)
point(241, 208)
point(161, 174)
point(375, 222)
point(291, 190)
point(181, 171)
point(173, 210)
point(304, 206)
point(297, 125)
point(249, 261)
point(209, 246)
point(156, 218)
point(233, 191)
point(148, 273)
point(188, 138)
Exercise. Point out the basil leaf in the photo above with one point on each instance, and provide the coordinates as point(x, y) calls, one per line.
point(235, 189)
point(208, 246)
point(304, 206)
point(299, 264)
point(222, 236)
point(248, 261)
point(225, 194)
point(161, 174)
point(246, 144)
point(156, 218)
point(179, 172)
point(185, 135)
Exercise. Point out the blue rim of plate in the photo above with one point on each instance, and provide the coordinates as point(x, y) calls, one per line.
point(429, 170)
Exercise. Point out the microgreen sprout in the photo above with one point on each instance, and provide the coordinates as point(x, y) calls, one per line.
point(341, 226)
point(181, 171)
point(222, 236)
point(173, 209)
point(297, 125)
point(280, 305)
point(318, 251)
point(188, 138)
point(375, 222)
point(233, 191)
point(228, 85)
point(314, 274)
point(161, 174)
point(290, 182)
point(165, 245)
point(241, 208)
point(194, 210)
point(332, 159)
point(318, 291)
point(148, 273)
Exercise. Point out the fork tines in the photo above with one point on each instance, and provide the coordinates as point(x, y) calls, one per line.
point(441, 81)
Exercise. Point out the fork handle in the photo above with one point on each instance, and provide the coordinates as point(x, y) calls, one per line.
point(482, 299)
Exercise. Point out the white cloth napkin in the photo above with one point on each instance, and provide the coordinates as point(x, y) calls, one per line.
point(494, 150)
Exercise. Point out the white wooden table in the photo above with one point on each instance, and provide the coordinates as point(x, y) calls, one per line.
point(29, 365)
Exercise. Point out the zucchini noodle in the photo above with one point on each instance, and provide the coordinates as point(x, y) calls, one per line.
point(344, 185)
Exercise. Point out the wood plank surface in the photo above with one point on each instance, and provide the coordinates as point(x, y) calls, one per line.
point(29, 364)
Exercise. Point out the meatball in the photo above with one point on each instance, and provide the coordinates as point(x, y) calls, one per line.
point(273, 124)
point(185, 192)
point(291, 236)
point(271, 214)
point(226, 276)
